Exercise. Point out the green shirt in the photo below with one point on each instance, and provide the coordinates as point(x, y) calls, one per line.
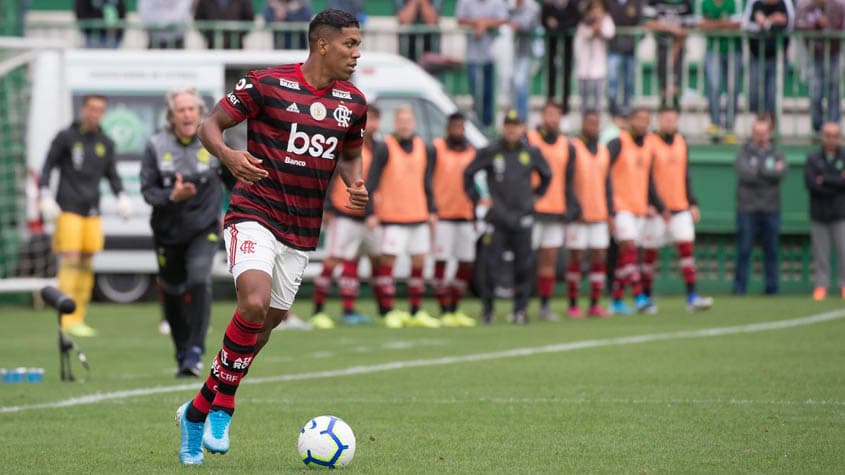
point(720, 10)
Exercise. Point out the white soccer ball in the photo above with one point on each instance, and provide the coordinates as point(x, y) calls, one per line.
point(327, 442)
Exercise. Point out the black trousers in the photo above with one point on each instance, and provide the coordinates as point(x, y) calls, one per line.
point(500, 249)
point(184, 280)
point(414, 45)
point(555, 43)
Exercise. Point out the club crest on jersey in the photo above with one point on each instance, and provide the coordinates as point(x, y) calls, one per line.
point(318, 111)
point(288, 84)
point(341, 94)
point(342, 115)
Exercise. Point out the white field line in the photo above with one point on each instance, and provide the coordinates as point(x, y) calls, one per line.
point(560, 401)
point(448, 360)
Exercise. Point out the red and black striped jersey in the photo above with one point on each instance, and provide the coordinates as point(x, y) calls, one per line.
point(299, 133)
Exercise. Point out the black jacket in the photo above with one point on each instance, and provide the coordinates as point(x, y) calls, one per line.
point(509, 171)
point(827, 199)
point(83, 159)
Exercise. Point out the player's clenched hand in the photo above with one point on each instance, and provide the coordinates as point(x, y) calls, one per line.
point(358, 195)
point(244, 166)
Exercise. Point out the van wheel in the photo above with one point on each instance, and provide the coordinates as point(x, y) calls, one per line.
point(122, 288)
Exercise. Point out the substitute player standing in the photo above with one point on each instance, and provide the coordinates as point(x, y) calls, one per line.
point(590, 230)
point(630, 175)
point(347, 239)
point(670, 174)
point(454, 233)
point(551, 209)
point(303, 121)
point(400, 178)
point(84, 155)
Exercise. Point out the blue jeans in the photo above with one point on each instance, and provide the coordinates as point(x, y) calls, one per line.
point(620, 65)
point(749, 227)
point(590, 90)
point(824, 86)
point(717, 67)
point(483, 97)
point(102, 39)
point(766, 81)
point(521, 84)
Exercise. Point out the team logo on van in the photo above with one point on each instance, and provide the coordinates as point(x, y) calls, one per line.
point(318, 111)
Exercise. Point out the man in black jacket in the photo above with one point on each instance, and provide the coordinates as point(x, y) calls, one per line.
point(824, 176)
point(182, 182)
point(509, 164)
point(560, 17)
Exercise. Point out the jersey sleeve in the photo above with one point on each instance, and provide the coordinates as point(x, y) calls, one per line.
point(355, 135)
point(245, 100)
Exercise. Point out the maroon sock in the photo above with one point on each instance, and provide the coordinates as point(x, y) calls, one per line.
point(685, 250)
point(620, 275)
point(647, 269)
point(322, 287)
point(573, 280)
point(416, 288)
point(386, 288)
point(545, 285)
point(463, 276)
point(597, 276)
point(633, 272)
point(230, 365)
point(349, 285)
point(441, 289)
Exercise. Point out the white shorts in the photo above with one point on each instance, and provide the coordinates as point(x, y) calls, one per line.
point(251, 246)
point(454, 239)
point(348, 238)
point(580, 236)
point(680, 228)
point(401, 239)
point(627, 227)
point(547, 234)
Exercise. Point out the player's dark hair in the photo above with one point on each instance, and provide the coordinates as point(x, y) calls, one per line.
point(556, 105)
point(455, 116)
point(668, 109)
point(89, 97)
point(640, 109)
point(589, 112)
point(374, 110)
point(330, 20)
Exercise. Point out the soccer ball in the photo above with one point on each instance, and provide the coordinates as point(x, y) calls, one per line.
point(326, 441)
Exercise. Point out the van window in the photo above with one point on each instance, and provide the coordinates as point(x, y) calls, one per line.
point(388, 104)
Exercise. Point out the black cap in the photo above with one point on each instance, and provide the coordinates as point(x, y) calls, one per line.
point(512, 117)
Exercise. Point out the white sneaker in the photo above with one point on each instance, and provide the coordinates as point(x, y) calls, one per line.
point(294, 323)
point(164, 327)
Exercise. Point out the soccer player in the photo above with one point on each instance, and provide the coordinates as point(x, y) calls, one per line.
point(551, 209)
point(184, 185)
point(400, 178)
point(347, 239)
point(509, 164)
point(84, 155)
point(630, 171)
point(678, 206)
point(454, 234)
point(590, 231)
point(303, 121)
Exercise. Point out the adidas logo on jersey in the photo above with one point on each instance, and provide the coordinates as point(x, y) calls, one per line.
point(292, 108)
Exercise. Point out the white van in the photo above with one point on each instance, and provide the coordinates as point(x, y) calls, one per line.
point(135, 83)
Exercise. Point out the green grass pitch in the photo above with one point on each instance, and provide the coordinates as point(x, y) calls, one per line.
point(581, 396)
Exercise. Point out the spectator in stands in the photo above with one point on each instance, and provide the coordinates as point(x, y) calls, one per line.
point(760, 168)
point(591, 38)
point(824, 176)
point(560, 17)
point(353, 7)
point(768, 18)
point(411, 13)
point(722, 66)
point(621, 58)
point(107, 13)
point(484, 17)
point(224, 10)
point(669, 20)
point(823, 15)
point(524, 18)
point(165, 22)
point(278, 11)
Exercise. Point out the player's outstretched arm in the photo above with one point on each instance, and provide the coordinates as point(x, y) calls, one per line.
point(241, 163)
